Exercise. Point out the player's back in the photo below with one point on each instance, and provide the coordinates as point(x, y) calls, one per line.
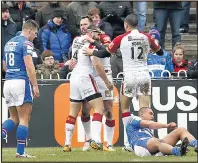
point(84, 64)
point(134, 48)
point(15, 49)
point(135, 132)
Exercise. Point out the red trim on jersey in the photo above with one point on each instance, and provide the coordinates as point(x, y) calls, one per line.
point(105, 39)
point(122, 91)
point(153, 45)
point(115, 44)
point(93, 83)
point(91, 46)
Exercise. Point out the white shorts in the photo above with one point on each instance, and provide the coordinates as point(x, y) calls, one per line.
point(83, 87)
point(17, 92)
point(136, 83)
point(106, 93)
point(141, 151)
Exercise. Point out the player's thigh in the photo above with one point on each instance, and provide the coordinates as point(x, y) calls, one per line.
point(144, 100)
point(75, 108)
point(144, 83)
point(153, 145)
point(172, 138)
point(97, 105)
point(125, 103)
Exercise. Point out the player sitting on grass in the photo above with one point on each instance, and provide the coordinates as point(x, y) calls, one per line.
point(144, 143)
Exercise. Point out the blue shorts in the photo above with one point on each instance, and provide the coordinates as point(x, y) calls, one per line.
point(142, 142)
point(17, 92)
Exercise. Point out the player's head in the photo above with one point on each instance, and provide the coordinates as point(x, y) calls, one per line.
point(130, 22)
point(5, 11)
point(145, 113)
point(48, 58)
point(30, 29)
point(85, 22)
point(94, 32)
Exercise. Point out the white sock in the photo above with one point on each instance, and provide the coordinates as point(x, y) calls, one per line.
point(110, 133)
point(125, 121)
point(87, 129)
point(96, 127)
point(69, 128)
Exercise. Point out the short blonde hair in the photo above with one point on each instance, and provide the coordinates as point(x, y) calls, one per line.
point(30, 24)
point(178, 46)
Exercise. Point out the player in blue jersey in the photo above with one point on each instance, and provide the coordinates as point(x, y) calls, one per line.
point(143, 142)
point(20, 79)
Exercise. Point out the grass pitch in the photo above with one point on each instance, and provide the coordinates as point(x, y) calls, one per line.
point(57, 155)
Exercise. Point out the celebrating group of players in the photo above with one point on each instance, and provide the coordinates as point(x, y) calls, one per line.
point(91, 86)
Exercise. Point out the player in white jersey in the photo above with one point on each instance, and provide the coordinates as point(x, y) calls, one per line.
point(134, 47)
point(83, 86)
point(107, 96)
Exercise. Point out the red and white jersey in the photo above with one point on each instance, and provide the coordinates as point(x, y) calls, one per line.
point(105, 40)
point(134, 47)
point(84, 64)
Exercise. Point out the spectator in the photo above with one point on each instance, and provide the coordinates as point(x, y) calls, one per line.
point(192, 71)
point(184, 27)
point(163, 12)
point(157, 64)
point(80, 9)
point(50, 68)
point(114, 12)
point(45, 13)
point(179, 62)
point(20, 12)
point(54, 36)
point(8, 27)
point(141, 12)
point(104, 26)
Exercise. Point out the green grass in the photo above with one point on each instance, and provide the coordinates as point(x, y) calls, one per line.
point(56, 154)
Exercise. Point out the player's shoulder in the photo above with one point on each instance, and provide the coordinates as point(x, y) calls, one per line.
point(120, 37)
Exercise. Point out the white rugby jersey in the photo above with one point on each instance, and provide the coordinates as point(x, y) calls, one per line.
point(84, 64)
point(134, 47)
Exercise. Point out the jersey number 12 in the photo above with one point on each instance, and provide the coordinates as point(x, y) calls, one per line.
point(136, 53)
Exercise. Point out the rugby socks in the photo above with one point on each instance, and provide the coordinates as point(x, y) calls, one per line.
point(69, 128)
point(193, 143)
point(125, 118)
point(87, 126)
point(7, 126)
point(110, 125)
point(176, 151)
point(21, 135)
point(96, 127)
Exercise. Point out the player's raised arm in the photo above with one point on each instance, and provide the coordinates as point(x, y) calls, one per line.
point(100, 70)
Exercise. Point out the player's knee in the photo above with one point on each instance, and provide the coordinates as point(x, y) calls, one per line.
point(108, 115)
point(181, 129)
point(85, 113)
point(15, 119)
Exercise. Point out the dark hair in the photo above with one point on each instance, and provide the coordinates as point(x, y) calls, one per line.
point(132, 20)
point(46, 53)
point(30, 24)
point(4, 7)
point(88, 17)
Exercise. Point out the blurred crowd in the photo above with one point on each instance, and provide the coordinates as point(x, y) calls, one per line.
point(59, 24)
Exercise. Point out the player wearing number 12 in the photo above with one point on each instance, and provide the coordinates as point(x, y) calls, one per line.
point(134, 47)
point(17, 90)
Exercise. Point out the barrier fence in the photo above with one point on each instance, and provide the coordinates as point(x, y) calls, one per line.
point(172, 100)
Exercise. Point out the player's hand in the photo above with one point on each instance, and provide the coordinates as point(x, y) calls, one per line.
point(109, 85)
point(88, 38)
point(71, 63)
point(88, 51)
point(36, 91)
point(172, 125)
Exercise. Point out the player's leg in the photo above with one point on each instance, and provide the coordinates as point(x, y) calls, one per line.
point(144, 101)
point(109, 124)
point(180, 134)
point(86, 122)
point(75, 107)
point(24, 112)
point(9, 124)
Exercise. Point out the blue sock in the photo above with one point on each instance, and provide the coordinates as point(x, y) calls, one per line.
point(176, 151)
point(193, 143)
point(21, 134)
point(7, 126)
